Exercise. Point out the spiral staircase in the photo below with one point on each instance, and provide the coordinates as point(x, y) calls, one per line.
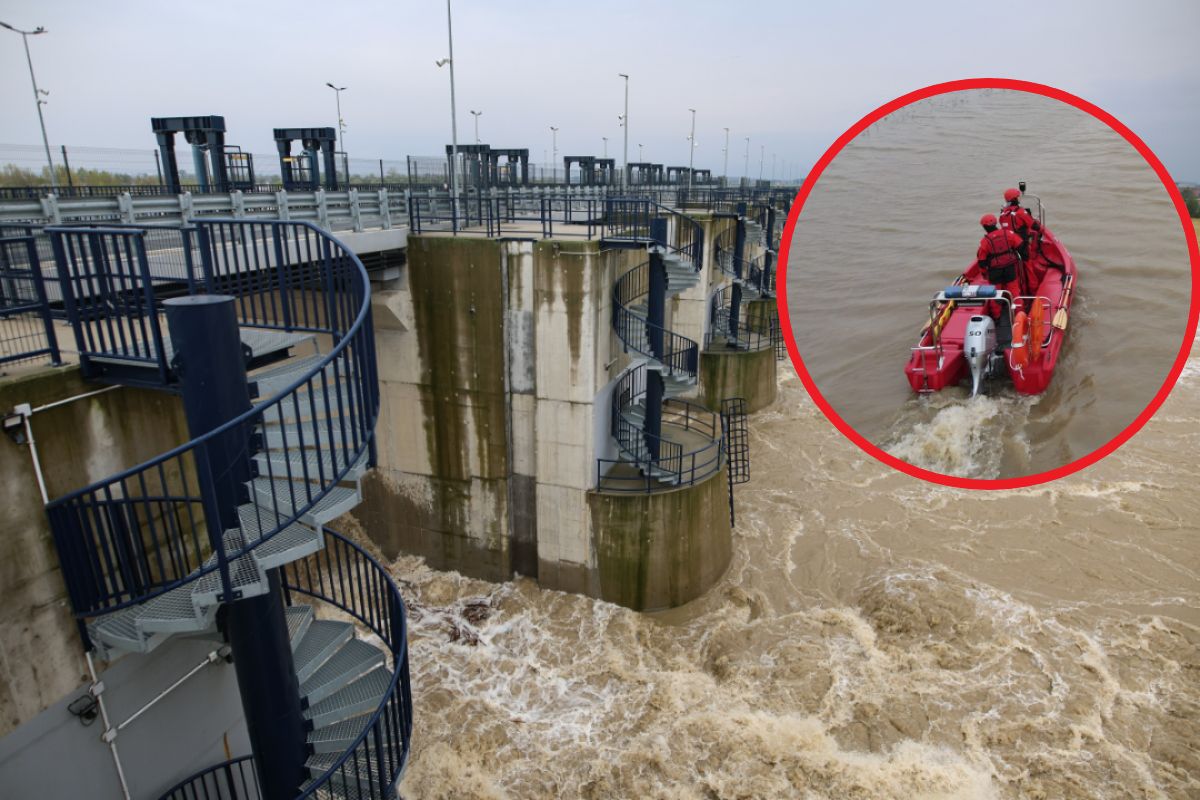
point(663, 441)
point(145, 553)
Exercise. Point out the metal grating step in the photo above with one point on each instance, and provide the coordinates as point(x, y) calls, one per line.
point(299, 618)
point(323, 639)
point(321, 466)
point(364, 695)
point(362, 770)
point(313, 436)
point(355, 659)
point(285, 497)
point(262, 343)
point(272, 381)
point(246, 579)
point(337, 737)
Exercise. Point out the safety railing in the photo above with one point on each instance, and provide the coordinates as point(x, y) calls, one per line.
point(235, 779)
point(679, 354)
point(757, 329)
point(655, 463)
point(26, 323)
point(495, 214)
point(345, 576)
point(149, 529)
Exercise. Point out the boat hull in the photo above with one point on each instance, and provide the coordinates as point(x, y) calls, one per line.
point(937, 362)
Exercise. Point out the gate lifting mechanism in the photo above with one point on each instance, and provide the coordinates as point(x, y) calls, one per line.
point(303, 172)
point(226, 169)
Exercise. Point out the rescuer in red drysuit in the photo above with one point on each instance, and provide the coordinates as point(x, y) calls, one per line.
point(999, 259)
point(1021, 222)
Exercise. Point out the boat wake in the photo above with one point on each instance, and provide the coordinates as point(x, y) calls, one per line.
point(978, 437)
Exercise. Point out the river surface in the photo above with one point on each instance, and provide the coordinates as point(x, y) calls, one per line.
point(876, 637)
point(894, 218)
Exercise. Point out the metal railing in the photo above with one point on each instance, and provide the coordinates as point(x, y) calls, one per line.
point(343, 575)
point(658, 463)
point(26, 323)
point(135, 535)
point(499, 212)
point(758, 324)
point(679, 354)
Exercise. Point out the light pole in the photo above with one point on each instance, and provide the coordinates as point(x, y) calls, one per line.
point(37, 94)
point(337, 92)
point(449, 60)
point(762, 151)
point(691, 148)
point(625, 125)
point(725, 174)
point(746, 167)
point(605, 138)
point(554, 150)
point(772, 167)
point(639, 152)
point(477, 115)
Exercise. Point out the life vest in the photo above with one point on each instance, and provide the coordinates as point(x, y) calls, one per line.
point(1012, 218)
point(1002, 259)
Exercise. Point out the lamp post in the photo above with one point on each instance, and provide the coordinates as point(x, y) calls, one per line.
point(772, 167)
point(605, 138)
point(554, 150)
point(625, 125)
point(449, 61)
point(691, 148)
point(762, 151)
point(725, 172)
point(639, 152)
point(341, 128)
point(746, 167)
point(477, 115)
point(37, 94)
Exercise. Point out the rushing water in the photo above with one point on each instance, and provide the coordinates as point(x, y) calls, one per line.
point(876, 637)
point(895, 217)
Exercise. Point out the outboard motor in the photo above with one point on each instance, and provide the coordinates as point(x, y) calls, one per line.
point(978, 347)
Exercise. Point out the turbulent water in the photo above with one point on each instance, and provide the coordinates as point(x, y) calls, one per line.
point(876, 636)
point(895, 217)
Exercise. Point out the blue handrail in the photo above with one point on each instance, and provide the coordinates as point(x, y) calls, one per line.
point(346, 576)
point(117, 548)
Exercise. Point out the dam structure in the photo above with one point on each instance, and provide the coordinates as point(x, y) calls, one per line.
point(228, 406)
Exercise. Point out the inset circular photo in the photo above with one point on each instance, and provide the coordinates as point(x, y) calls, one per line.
point(989, 286)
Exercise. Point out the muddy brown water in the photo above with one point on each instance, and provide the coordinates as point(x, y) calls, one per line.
point(895, 217)
point(876, 637)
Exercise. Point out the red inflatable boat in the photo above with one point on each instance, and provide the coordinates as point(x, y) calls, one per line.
point(978, 332)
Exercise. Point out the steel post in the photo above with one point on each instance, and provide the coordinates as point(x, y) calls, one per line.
point(210, 364)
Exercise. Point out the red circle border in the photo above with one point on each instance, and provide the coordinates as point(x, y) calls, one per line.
point(983, 483)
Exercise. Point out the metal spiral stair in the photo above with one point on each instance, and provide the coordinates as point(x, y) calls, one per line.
point(676, 360)
point(308, 446)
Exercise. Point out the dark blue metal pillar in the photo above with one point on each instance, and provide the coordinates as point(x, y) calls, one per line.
point(166, 145)
point(656, 312)
point(739, 255)
point(769, 257)
point(210, 365)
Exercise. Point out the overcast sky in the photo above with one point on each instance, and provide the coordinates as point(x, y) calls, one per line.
point(790, 75)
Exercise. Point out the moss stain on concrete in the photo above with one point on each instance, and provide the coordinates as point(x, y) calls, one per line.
point(458, 309)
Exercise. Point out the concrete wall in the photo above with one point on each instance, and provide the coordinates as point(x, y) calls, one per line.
point(661, 550)
point(497, 360)
point(738, 373)
point(199, 724)
point(41, 657)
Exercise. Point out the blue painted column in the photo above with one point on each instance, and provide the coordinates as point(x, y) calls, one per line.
point(739, 254)
point(210, 365)
point(769, 258)
point(656, 312)
point(200, 167)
